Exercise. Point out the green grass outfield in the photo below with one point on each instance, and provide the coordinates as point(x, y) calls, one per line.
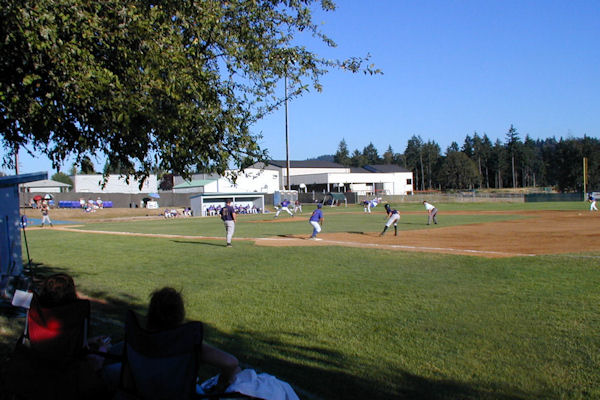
point(349, 323)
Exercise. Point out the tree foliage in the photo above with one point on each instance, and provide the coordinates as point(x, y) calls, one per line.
point(371, 155)
point(342, 156)
point(87, 166)
point(458, 171)
point(414, 160)
point(166, 182)
point(481, 164)
point(358, 159)
point(175, 85)
point(388, 156)
point(62, 177)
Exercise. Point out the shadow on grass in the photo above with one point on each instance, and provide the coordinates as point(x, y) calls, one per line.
point(319, 373)
point(316, 372)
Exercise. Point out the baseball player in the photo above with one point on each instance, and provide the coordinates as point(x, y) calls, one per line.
point(431, 212)
point(45, 217)
point(297, 207)
point(316, 220)
point(229, 219)
point(284, 207)
point(393, 218)
point(367, 206)
point(592, 201)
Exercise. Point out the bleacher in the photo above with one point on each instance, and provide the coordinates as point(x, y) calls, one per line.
point(76, 204)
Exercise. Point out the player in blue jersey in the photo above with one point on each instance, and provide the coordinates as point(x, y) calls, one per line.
point(393, 218)
point(284, 206)
point(316, 220)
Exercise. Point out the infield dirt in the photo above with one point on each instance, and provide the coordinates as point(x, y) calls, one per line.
point(542, 232)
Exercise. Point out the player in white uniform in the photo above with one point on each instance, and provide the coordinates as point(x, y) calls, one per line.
point(393, 218)
point(592, 201)
point(431, 212)
point(297, 207)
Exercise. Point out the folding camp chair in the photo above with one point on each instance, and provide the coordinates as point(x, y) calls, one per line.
point(163, 365)
point(50, 358)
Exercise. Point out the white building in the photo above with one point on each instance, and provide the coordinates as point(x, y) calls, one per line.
point(332, 177)
point(45, 186)
point(251, 180)
point(115, 184)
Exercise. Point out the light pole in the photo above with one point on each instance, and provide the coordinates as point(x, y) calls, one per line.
point(287, 136)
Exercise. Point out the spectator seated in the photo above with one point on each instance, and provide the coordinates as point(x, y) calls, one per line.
point(50, 360)
point(161, 361)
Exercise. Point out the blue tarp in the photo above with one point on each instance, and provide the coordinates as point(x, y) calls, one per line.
point(76, 204)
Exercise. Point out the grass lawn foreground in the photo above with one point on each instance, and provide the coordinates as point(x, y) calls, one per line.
point(350, 323)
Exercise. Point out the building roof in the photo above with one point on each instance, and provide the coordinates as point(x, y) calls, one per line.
point(306, 164)
point(196, 183)
point(229, 194)
point(45, 183)
point(385, 168)
point(22, 178)
point(359, 170)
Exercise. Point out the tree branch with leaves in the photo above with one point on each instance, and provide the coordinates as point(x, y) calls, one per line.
point(170, 85)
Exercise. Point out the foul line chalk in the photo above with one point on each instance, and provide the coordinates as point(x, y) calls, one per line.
point(397, 246)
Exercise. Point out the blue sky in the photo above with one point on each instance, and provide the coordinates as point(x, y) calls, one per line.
point(450, 68)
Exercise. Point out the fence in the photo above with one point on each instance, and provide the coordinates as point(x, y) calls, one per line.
point(168, 199)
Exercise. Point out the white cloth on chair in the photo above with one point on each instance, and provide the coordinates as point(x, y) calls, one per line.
point(263, 386)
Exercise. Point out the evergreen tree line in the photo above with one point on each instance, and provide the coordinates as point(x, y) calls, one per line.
point(481, 164)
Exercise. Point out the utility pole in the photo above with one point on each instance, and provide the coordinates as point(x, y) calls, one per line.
point(17, 160)
point(585, 165)
point(513, 172)
point(287, 136)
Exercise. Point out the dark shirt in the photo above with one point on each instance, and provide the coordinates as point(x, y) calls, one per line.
point(227, 213)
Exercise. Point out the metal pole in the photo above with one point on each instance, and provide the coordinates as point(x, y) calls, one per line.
point(24, 223)
point(584, 178)
point(17, 173)
point(287, 136)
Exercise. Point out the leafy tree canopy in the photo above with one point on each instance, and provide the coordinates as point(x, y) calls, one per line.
point(174, 84)
point(62, 177)
point(87, 166)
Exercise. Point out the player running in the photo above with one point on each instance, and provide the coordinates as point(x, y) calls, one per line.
point(316, 220)
point(393, 218)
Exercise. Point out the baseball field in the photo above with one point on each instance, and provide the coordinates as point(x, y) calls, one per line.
point(497, 301)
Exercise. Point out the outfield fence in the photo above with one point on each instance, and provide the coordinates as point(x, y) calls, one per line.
point(474, 197)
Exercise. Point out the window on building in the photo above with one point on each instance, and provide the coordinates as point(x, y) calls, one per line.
point(409, 181)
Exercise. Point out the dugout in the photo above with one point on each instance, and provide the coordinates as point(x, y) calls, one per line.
point(201, 202)
point(11, 256)
point(335, 199)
